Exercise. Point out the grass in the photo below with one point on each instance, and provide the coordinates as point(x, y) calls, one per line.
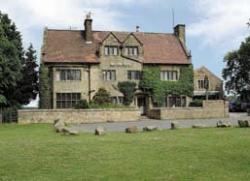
point(36, 152)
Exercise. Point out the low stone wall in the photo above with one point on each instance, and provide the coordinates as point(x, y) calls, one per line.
point(77, 115)
point(210, 109)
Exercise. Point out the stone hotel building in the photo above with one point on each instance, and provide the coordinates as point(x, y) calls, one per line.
point(80, 62)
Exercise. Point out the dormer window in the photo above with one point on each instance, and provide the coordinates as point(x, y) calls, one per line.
point(111, 50)
point(131, 51)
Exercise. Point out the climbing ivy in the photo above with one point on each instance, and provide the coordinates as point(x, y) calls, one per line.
point(158, 89)
point(44, 88)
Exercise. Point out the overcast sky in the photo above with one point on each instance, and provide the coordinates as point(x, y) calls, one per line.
point(214, 27)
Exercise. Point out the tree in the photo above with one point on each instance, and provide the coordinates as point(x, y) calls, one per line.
point(11, 56)
point(18, 70)
point(237, 71)
point(128, 90)
point(27, 88)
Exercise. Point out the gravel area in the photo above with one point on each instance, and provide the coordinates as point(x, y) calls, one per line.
point(161, 124)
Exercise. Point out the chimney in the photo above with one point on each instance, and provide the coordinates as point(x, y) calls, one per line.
point(137, 28)
point(179, 31)
point(88, 28)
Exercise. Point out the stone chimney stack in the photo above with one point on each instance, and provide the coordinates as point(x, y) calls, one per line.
point(88, 28)
point(179, 31)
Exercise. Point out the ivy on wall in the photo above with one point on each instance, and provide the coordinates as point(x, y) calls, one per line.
point(158, 89)
point(44, 88)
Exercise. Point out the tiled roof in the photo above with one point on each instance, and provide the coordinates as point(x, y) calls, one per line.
point(70, 46)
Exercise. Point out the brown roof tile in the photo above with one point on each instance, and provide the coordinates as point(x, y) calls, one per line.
point(70, 46)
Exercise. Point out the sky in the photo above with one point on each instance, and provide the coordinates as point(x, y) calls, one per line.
point(213, 27)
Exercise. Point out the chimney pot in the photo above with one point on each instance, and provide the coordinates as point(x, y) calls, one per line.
point(137, 28)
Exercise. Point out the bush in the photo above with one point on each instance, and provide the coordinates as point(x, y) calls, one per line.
point(244, 123)
point(102, 97)
point(196, 103)
point(93, 105)
point(82, 104)
point(128, 90)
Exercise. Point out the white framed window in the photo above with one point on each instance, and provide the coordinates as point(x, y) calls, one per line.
point(69, 75)
point(67, 100)
point(131, 51)
point(117, 100)
point(169, 75)
point(111, 50)
point(201, 84)
point(109, 75)
point(134, 75)
point(175, 101)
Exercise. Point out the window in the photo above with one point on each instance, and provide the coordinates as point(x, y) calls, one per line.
point(134, 75)
point(117, 100)
point(67, 100)
point(109, 75)
point(131, 51)
point(201, 84)
point(69, 74)
point(111, 50)
point(169, 75)
point(176, 101)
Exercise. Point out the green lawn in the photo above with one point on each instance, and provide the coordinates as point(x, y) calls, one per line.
point(36, 152)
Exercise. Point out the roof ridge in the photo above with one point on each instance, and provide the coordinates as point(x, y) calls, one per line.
point(108, 31)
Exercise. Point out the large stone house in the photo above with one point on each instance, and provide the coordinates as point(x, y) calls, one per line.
point(215, 85)
point(82, 61)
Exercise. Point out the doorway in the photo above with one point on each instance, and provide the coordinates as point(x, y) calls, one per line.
point(142, 104)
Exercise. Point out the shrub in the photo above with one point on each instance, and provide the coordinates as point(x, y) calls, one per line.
point(102, 96)
point(93, 105)
point(82, 104)
point(128, 90)
point(196, 103)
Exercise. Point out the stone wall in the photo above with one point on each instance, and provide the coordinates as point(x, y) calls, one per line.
point(77, 115)
point(210, 109)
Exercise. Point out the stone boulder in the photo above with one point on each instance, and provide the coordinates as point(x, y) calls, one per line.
point(243, 123)
point(73, 132)
point(131, 129)
point(174, 125)
point(99, 131)
point(150, 128)
point(223, 124)
point(199, 126)
point(59, 125)
point(69, 131)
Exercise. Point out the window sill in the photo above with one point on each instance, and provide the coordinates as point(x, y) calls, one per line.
point(111, 55)
point(64, 81)
point(170, 80)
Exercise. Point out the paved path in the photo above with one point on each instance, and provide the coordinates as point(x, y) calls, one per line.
point(161, 124)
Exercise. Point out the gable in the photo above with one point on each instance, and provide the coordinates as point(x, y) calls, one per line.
point(111, 39)
point(132, 40)
point(201, 72)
